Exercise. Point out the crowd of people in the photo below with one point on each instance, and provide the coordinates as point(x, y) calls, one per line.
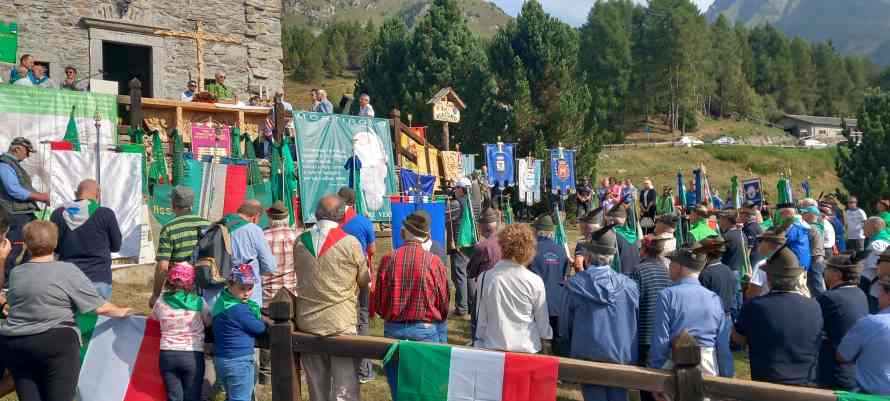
point(29, 73)
point(803, 288)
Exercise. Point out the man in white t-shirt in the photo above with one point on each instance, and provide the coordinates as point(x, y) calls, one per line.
point(854, 225)
point(879, 241)
point(829, 235)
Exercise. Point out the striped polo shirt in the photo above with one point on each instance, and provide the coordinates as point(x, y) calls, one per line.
point(652, 277)
point(179, 238)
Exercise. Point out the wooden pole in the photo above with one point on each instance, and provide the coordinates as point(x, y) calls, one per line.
point(445, 135)
point(396, 117)
point(135, 103)
point(285, 362)
point(686, 357)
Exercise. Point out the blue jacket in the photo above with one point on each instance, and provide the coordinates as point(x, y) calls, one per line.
point(234, 332)
point(798, 239)
point(551, 264)
point(600, 316)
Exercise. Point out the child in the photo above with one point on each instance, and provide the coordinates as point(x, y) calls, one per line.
point(183, 316)
point(236, 323)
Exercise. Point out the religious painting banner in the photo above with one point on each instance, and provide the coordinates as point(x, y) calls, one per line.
point(753, 191)
point(402, 206)
point(529, 171)
point(499, 159)
point(562, 170)
point(41, 115)
point(121, 185)
point(325, 142)
point(413, 183)
point(211, 139)
point(418, 152)
point(452, 165)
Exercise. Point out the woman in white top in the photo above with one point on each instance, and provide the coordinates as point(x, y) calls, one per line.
point(512, 313)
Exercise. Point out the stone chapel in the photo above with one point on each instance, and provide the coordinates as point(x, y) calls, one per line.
point(156, 41)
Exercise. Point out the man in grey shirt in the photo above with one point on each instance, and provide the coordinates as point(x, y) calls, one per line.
point(324, 105)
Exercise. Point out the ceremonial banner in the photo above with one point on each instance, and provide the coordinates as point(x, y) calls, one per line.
point(325, 142)
point(499, 159)
point(119, 359)
point(42, 115)
point(402, 206)
point(121, 185)
point(437, 372)
point(562, 170)
point(469, 164)
point(529, 180)
point(452, 165)
point(753, 192)
point(206, 141)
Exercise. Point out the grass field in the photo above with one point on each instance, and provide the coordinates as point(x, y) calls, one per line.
point(721, 163)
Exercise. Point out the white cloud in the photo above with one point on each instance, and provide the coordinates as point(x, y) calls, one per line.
point(573, 12)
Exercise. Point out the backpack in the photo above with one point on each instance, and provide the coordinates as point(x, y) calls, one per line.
point(212, 257)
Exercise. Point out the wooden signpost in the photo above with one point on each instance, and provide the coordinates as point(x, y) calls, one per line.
point(446, 108)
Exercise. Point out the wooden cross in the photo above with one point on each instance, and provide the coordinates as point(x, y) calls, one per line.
point(200, 36)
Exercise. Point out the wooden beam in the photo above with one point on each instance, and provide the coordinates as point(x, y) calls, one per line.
point(285, 361)
point(572, 370)
point(723, 388)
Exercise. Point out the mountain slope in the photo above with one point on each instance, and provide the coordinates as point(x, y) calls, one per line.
point(854, 26)
point(484, 17)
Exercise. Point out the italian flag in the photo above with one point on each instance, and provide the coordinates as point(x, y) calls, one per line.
point(437, 372)
point(119, 359)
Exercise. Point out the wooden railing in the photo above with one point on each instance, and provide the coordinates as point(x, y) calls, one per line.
point(684, 382)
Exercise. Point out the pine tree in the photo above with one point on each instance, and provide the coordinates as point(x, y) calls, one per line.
point(804, 77)
point(335, 54)
point(384, 68)
point(862, 167)
point(607, 61)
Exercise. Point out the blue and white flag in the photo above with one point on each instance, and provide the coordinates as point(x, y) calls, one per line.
point(562, 170)
point(468, 164)
point(529, 171)
point(499, 158)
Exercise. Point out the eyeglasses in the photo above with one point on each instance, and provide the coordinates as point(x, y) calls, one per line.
point(71, 72)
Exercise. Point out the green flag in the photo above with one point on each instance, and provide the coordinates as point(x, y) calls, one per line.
point(784, 193)
point(847, 396)
point(284, 183)
point(254, 176)
point(236, 143)
point(361, 207)
point(179, 165)
point(157, 172)
point(466, 236)
point(560, 235)
point(71, 135)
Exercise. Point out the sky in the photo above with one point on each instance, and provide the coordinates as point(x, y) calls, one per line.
point(573, 12)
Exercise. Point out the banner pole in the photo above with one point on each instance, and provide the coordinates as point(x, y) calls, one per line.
point(99, 150)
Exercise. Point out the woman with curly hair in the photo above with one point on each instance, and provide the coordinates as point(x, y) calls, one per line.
point(512, 300)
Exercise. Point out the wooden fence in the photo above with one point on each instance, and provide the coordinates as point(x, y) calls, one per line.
point(684, 383)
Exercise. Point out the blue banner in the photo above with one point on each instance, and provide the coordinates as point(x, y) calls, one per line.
point(468, 164)
point(562, 171)
point(416, 184)
point(499, 158)
point(405, 205)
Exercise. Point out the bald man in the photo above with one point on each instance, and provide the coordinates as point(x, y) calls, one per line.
point(88, 234)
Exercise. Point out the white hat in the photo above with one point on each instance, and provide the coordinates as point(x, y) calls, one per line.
point(463, 183)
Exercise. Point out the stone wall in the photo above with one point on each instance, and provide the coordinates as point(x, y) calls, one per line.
point(55, 32)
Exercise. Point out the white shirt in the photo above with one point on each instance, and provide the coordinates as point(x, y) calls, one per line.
point(320, 232)
point(184, 97)
point(876, 247)
point(828, 235)
point(23, 82)
point(855, 222)
point(758, 277)
point(366, 111)
point(512, 313)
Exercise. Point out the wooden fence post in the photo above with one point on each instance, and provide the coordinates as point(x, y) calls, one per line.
point(686, 358)
point(135, 103)
point(396, 126)
point(285, 363)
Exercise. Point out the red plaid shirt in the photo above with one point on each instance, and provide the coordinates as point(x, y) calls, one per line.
point(281, 239)
point(411, 286)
